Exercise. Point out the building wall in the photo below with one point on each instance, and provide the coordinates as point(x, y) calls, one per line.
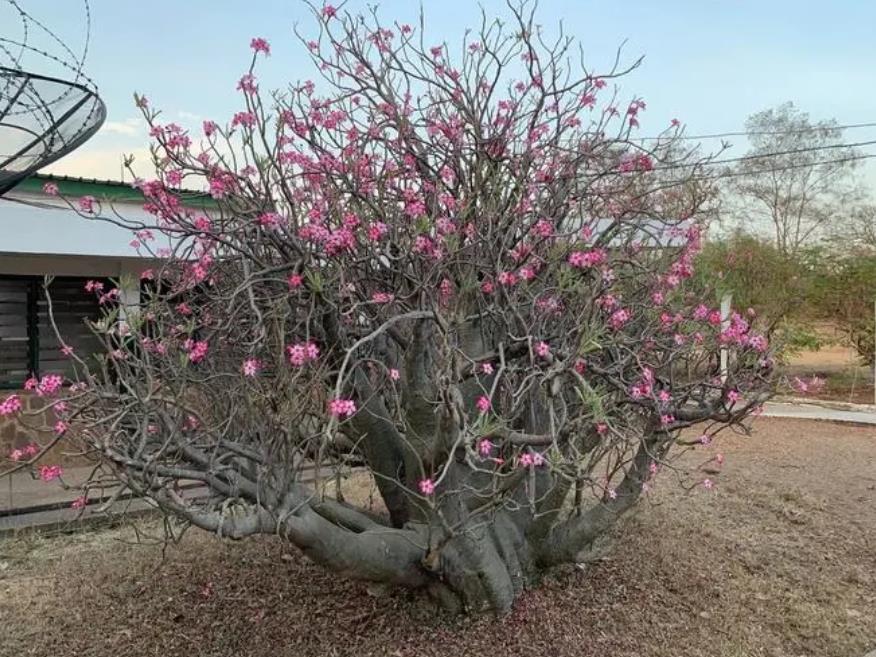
point(18, 431)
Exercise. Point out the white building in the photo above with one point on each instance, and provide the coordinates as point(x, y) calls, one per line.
point(41, 236)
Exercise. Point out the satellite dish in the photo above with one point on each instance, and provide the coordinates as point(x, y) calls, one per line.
point(42, 116)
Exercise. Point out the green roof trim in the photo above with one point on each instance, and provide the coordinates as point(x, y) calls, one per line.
point(111, 190)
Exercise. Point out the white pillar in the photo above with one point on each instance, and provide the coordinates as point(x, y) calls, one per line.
point(129, 292)
point(726, 301)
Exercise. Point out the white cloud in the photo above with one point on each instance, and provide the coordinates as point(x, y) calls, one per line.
point(188, 116)
point(129, 127)
point(104, 163)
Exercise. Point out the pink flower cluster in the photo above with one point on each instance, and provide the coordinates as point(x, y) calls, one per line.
point(251, 367)
point(48, 385)
point(79, 502)
point(427, 486)
point(197, 350)
point(259, 44)
point(586, 259)
point(30, 450)
point(301, 353)
point(382, 297)
point(50, 472)
point(813, 385)
point(341, 408)
point(543, 349)
point(86, 204)
point(270, 220)
point(484, 404)
point(10, 405)
point(531, 460)
point(619, 318)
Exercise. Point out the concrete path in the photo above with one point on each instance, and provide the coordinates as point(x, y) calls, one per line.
point(855, 413)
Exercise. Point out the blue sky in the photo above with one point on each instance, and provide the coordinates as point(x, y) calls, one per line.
point(708, 63)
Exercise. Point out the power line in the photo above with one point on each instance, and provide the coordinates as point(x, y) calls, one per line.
point(763, 156)
point(803, 165)
point(743, 133)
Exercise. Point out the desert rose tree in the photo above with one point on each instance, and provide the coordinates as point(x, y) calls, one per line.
point(455, 262)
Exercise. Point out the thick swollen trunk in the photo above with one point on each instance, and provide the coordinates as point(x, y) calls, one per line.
point(483, 569)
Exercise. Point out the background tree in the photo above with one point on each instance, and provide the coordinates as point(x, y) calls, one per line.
point(451, 259)
point(844, 294)
point(796, 181)
point(779, 287)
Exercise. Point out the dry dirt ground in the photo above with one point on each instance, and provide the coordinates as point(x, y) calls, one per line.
point(846, 380)
point(779, 559)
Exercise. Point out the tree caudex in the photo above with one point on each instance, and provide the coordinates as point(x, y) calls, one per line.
point(453, 262)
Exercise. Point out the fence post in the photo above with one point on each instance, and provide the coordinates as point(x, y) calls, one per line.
point(726, 301)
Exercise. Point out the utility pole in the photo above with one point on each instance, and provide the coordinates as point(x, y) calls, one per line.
point(726, 300)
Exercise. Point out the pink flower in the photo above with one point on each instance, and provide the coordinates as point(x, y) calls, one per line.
point(247, 84)
point(485, 447)
point(94, 286)
point(49, 384)
point(484, 404)
point(507, 278)
point(198, 351)
point(758, 343)
point(427, 486)
point(705, 439)
point(301, 353)
point(246, 119)
point(86, 204)
point(394, 374)
point(382, 297)
point(733, 396)
point(543, 349)
point(341, 408)
point(67, 350)
point(601, 428)
point(619, 318)
point(269, 220)
point(487, 368)
point(585, 259)
point(50, 189)
point(259, 44)
point(531, 460)
point(708, 484)
point(329, 11)
point(295, 281)
point(61, 427)
point(10, 405)
point(210, 127)
point(79, 502)
point(50, 472)
point(251, 367)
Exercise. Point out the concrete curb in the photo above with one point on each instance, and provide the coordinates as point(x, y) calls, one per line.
point(826, 403)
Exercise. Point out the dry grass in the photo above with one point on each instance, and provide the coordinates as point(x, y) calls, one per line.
point(779, 560)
